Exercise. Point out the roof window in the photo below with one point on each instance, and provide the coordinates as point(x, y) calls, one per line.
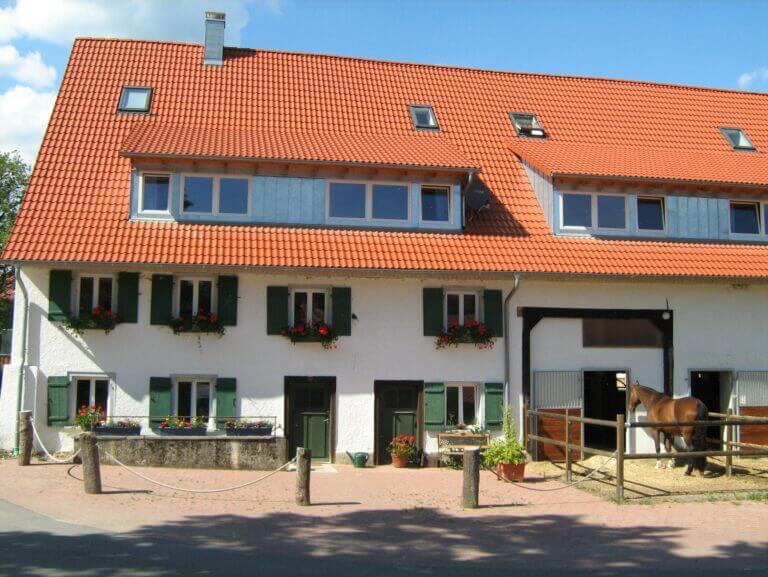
point(737, 139)
point(135, 99)
point(527, 124)
point(423, 117)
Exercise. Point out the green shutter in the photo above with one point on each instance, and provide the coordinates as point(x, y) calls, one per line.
point(494, 312)
point(433, 311)
point(494, 405)
point(228, 300)
point(341, 297)
point(159, 399)
point(59, 295)
point(434, 406)
point(58, 400)
point(162, 299)
point(226, 398)
point(277, 309)
point(128, 297)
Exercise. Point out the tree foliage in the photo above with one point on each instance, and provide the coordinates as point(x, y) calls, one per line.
point(14, 176)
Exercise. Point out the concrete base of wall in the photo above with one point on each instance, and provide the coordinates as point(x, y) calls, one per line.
point(253, 453)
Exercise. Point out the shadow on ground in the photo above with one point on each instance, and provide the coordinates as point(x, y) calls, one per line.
point(418, 542)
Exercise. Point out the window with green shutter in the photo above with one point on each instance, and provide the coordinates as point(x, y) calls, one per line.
point(277, 309)
point(341, 298)
point(434, 406)
point(226, 400)
point(433, 311)
point(494, 405)
point(128, 297)
point(161, 310)
point(494, 312)
point(59, 295)
point(159, 399)
point(58, 400)
point(228, 300)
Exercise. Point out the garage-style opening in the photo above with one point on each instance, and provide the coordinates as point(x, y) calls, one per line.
point(713, 388)
point(605, 396)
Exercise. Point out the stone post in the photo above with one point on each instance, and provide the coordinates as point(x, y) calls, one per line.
point(25, 438)
point(89, 453)
point(470, 489)
point(303, 467)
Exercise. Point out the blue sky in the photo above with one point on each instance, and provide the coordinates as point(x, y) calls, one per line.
point(707, 43)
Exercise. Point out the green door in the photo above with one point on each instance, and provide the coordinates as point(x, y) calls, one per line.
point(397, 414)
point(309, 414)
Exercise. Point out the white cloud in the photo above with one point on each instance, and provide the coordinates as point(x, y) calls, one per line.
point(24, 114)
point(29, 69)
point(758, 75)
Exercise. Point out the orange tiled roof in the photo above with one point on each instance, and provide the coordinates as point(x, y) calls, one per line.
point(77, 208)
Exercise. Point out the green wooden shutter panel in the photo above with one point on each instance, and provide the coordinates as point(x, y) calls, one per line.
point(341, 297)
point(277, 309)
point(162, 299)
point(494, 405)
point(433, 311)
point(128, 297)
point(226, 397)
point(59, 295)
point(159, 399)
point(58, 400)
point(434, 406)
point(228, 300)
point(494, 312)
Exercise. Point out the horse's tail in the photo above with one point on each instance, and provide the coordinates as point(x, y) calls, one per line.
point(700, 436)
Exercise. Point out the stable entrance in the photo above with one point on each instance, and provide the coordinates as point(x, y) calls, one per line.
point(309, 415)
point(713, 388)
point(397, 413)
point(605, 396)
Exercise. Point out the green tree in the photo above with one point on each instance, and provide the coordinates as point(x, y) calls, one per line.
point(14, 175)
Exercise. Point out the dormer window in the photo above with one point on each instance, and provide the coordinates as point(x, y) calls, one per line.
point(737, 139)
point(423, 117)
point(527, 124)
point(135, 99)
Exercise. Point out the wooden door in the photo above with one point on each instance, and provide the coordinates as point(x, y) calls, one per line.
point(397, 414)
point(309, 416)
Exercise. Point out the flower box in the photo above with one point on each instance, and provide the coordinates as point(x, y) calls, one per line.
point(249, 432)
point(322, 333)
point(183, 432)
point(98, 319)
point(202, 322)
point(472, 332)
point(117, 431)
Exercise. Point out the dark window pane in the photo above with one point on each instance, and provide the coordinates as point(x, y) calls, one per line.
point(105, 293)
point(621, 333)
point(186, 298)
point(233, 196)
point(424, 116)
point(470, 308)
point(468, 402)
point(83, 393)
point(390, 201)
point(101, 394)
point(299, 308)
point(205, 296)
point(198, 194)
point(650, 214)
point(155, 193)
point(577, 210)
point(744, 218)
point(452, 304)
point(611, 212)
point(452, 406)
point(203, 404)
point(184, 406)
point(318, 308)
point(347, 200)
point(86, 295)
point(435, 203)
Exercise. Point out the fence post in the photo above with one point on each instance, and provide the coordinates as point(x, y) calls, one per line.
point(620, 438)
point(303, 467)
point(470, 488)
point(728, 446)
point(89, 454)
point(568, 464)
point(25, 438)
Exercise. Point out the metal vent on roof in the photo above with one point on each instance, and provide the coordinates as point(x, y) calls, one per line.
point(215, 23)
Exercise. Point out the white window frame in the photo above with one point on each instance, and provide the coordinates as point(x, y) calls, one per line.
point(140, 209)
point(95, 277)
point(449, 189)
point(760, 218)
point(369, 184)
point(216, 194)
point(460, 416)
point(92, 377)
point(195, 280)
point(663, 200)
point(310, 299)
point(595, 225)
point(195, 380)
point(461, 293)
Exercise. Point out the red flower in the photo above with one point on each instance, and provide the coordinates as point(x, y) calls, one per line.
point(96, 311)
point(213, 318)
point(323, 330)
point(481, 329)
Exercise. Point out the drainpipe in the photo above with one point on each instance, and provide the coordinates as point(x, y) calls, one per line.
point(507, 300)
point(23, 366)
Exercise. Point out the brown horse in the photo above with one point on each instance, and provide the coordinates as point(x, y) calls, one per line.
point(662, 408)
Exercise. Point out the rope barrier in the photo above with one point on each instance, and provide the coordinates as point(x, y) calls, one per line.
point(201, 491)
point(51, 457)
point(566, 486)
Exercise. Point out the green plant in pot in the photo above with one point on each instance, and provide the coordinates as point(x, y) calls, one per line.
point(506, 455)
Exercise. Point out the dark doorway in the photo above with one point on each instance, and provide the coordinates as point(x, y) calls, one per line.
point(707, 386)
point(397, 413)
point(309, 415)
point(605, 396)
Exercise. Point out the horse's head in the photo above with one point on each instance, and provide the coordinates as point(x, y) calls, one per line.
point(634, 397)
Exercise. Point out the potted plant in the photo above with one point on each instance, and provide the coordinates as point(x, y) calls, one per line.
point(119, 427)
point(306, 333)
point(506, 455)
point(245, 427)
point(473, 332)
point(99, 318)
point(202, 322)
point(89, 417)
point(402, 449)
point(179, 426)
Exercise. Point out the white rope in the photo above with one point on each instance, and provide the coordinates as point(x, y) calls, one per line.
point(51, 457)
point(234, 488)
point(566, 486)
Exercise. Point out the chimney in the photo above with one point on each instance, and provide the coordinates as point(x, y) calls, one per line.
point(214, 39)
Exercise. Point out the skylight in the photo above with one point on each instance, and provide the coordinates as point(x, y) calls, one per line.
point(423, 117)
point(737, 138)
point(135, 99)
point(527, 124)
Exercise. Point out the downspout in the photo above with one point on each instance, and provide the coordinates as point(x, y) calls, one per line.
point(507, 300)
point(20, 392)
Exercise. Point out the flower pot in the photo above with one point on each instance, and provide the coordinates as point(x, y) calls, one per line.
point(249, 432)
point(118, 431)
point(184, 432)
point(511, 472)
point(399, 461)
